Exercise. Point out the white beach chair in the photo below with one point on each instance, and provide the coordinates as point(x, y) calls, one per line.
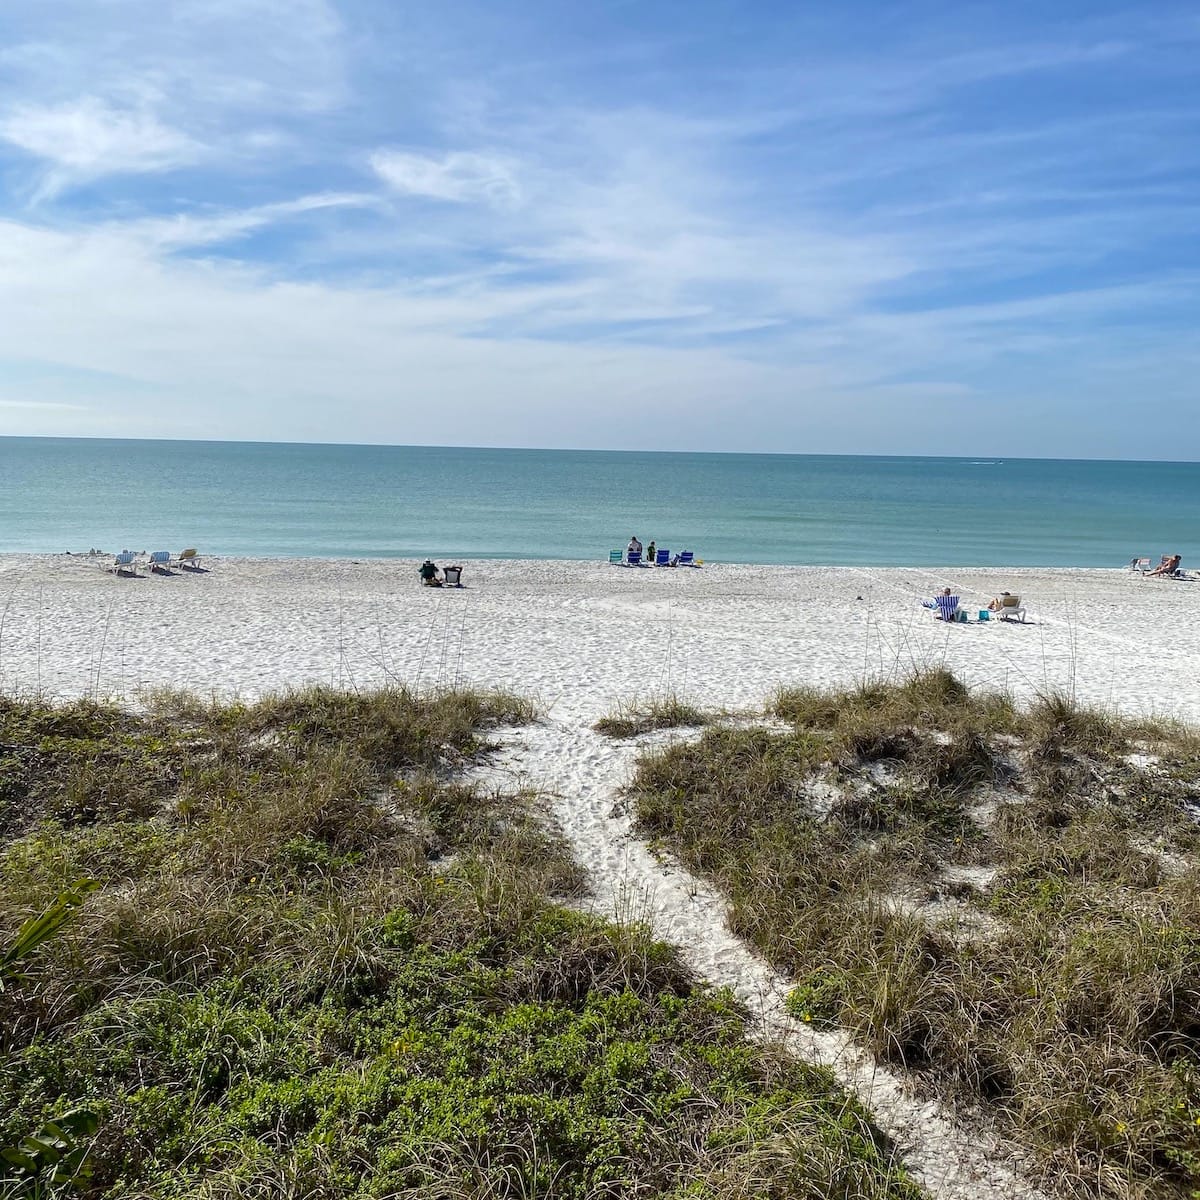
point(124, 562)
point(160, 560)
point(1011, 609)
point(189, 558)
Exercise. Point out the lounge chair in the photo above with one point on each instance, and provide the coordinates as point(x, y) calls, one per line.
point(687, 558)
point(124, 562)
point(662, 558)
point(160, 560)
point(1139, 565)
point(633, 558)
point(1169, 560)
point(1011, 609)
point(947, 607)
point(615, 556)
point(189, 558)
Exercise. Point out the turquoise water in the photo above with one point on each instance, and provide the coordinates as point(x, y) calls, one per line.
point(381, 501)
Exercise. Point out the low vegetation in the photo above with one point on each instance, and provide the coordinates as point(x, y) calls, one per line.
point(278, 950)
point(1004, 901)
point(631, 720)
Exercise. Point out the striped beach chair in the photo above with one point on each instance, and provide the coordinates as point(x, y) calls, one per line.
point(160, 560)
point(946, 607)
point(633, 558)
point(124, 561)
point(615, 556)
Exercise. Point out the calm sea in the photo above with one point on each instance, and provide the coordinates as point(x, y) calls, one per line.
point(382, 501)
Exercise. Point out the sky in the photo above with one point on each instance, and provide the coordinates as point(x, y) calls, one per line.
point(881, 228)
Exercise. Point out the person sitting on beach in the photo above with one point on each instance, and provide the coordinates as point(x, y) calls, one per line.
point(997, 602)
point(1168, 566)
point(634, 547)
point(429, 574)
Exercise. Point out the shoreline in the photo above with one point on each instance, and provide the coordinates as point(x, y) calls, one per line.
point(595, 559)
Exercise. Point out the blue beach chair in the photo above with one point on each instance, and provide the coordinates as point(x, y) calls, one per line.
point(634, 559)
point(662, 558)
point(687, 558)
point(160, 560)
point(124, 561)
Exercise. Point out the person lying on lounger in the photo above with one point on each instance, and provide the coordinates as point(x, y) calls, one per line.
point(1168, 566)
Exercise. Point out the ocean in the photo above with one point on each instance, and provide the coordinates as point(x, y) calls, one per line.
point(268, 499)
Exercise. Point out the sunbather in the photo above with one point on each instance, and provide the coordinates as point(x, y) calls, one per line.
point(429, 574)
point(1168, 566)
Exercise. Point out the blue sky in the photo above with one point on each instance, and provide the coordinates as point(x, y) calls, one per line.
point(879, 228)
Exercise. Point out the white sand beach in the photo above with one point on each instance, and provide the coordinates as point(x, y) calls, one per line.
point(579, 638)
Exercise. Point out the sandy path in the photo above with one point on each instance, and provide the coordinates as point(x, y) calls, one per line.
point(582, 773)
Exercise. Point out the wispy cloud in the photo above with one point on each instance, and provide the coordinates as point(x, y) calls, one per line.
point(460, 176)
point(41, 405)
point(89, 138)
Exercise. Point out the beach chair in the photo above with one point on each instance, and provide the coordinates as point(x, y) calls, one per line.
point(662, 558)
point(189, 558)
point(946, 606)
point(615, 556)
point(1011, 609)
point(452, 577)
point(633, 558)
point(160, 560)
point(687, 558)
point(1139, 565)
point(124, 561)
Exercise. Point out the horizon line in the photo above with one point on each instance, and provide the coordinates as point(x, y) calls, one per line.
point(980, 456)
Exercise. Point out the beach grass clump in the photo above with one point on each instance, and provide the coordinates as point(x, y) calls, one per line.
point(999, 899)
point(307, 958)
point(632, 719)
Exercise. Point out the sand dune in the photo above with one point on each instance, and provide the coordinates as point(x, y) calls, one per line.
point(580, 638)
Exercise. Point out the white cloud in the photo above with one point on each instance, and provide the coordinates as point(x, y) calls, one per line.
point(191, 230)
point(459, 176)
point(89, 137)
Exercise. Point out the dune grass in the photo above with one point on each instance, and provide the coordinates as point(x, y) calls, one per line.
point(316, 964)
point(996, 898)
point(638, 717)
